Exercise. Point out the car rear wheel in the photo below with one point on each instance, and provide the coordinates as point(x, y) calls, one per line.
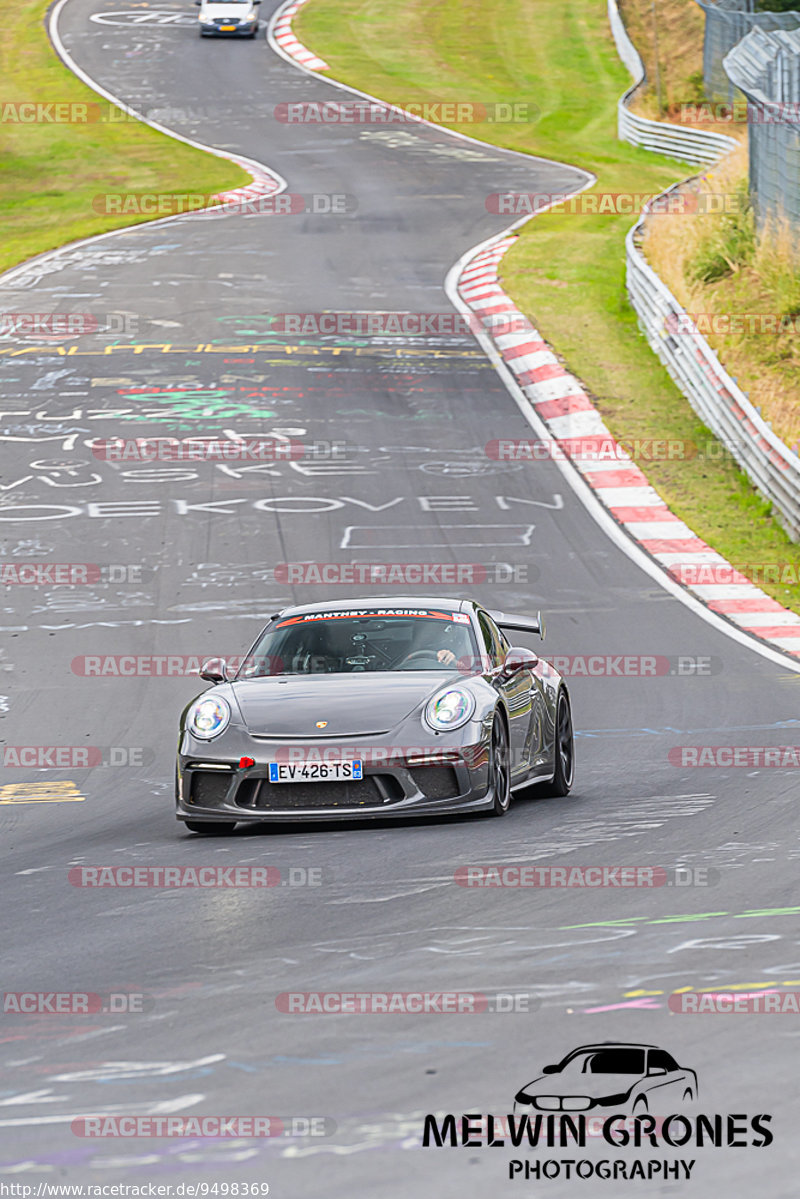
point(211, 828)
point(640, 1106)
point(564, 750)
point(499, 769)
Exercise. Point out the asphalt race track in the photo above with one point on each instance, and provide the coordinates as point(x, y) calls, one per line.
point(196, 351)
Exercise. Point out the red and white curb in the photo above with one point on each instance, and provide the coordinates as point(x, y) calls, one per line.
point(264, 180)
point(265, 183)
point(580, 432)
point(282, 33)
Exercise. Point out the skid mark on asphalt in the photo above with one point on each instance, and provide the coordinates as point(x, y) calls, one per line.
point(651, 812)
point(162, 1107)
point(752, 914)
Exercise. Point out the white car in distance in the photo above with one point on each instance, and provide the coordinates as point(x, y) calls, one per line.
point(228, 18)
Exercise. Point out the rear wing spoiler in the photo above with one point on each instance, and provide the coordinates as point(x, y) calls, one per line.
point(519, 624)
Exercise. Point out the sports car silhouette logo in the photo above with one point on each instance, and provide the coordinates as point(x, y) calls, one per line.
point(628, 1078)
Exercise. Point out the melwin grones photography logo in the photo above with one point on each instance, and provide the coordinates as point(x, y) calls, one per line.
point(631, 1097)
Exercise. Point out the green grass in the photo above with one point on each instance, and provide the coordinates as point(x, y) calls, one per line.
point(52, 172)
point(566, 271)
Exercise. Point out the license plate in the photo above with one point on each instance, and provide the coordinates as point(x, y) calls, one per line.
point(227, 28)
point(316, 772)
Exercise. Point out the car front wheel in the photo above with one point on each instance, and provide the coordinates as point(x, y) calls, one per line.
point(563, 749)
point(499, 769)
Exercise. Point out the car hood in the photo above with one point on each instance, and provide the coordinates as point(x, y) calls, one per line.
point(352, 704)
point(596, 1086)
point(234, 11)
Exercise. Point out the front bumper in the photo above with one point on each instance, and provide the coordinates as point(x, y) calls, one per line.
point(239, 31)
point(423, 780)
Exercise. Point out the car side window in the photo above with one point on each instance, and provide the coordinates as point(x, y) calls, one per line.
point(661, 1059)
point(502, 642)
point(497, 645)
point(490, 643)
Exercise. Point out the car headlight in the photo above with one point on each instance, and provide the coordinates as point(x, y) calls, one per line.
point(449, 709)
point(208, 716)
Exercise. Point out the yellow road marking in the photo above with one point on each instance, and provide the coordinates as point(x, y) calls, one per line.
point(52, 792)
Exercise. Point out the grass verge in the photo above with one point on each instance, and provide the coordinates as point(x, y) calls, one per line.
point(744, 290)
point(669, 38)
point(566, 270)
point(52, 172)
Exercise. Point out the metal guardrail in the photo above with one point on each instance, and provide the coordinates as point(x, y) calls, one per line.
point(770, 465)
point(766, 68)
point(687, 144)
point(727, 22)
point(768, 462)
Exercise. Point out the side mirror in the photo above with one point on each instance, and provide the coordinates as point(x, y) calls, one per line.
point(550, 1070)
point(214, 670)
point(657, 1070)
point(518, 659)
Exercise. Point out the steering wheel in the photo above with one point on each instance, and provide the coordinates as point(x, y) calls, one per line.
point(420, 653)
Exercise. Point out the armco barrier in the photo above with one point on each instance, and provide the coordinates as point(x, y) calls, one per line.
point(768, 462)
point(676, 141)
point(721, 405)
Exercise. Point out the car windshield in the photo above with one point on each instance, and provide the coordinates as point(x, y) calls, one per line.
point(355, 642)
point(608, 1061)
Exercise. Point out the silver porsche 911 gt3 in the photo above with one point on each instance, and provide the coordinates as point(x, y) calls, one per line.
point(374, 708)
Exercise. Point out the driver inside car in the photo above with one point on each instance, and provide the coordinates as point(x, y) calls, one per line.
point(433, 641)
point(314, 654)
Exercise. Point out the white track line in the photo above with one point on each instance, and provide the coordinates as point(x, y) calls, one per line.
point(265, 179)
point(477, 269)
point(491, 250)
